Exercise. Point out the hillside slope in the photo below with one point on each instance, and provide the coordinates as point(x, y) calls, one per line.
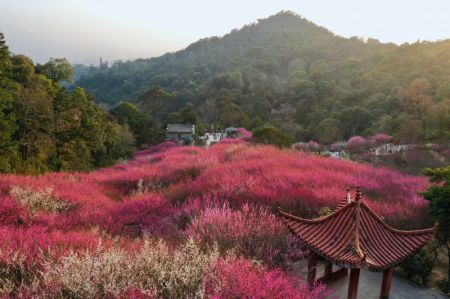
point(292, 73)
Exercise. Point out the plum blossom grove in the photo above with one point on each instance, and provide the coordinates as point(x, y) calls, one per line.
point(181, 222)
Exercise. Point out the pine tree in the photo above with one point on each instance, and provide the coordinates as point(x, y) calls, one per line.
point(5, 57)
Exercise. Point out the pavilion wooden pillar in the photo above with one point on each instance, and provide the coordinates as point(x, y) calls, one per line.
point(353, 283)
point(386, 283)
point(312, 266)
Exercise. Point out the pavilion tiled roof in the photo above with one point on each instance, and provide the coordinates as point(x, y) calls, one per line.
point(353, 236)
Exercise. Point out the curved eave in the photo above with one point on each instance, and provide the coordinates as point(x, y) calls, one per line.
point(341, 210)
point(315, 220)
point(352, 260)
point(398, 231)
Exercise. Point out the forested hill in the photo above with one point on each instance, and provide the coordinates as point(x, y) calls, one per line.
point(268, 49)
point(45, 127)
point(287, 71)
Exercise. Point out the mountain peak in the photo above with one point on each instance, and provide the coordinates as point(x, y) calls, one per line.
point(288, 17)
point(287, 20)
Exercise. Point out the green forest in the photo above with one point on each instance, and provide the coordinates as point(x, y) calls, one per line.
point(46, 127)
point(290, 73)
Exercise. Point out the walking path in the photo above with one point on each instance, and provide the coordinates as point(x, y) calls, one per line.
point(370, 285)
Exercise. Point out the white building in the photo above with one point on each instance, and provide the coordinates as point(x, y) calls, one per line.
point(210, 138)
point(390, 148)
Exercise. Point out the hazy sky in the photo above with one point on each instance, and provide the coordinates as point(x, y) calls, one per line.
point(84, 30)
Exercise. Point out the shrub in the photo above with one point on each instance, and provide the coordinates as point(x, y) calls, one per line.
point(155, 270)
point(437, 147)
point(179, 274)
point(313, 146)
point(240, 278)
point(251, 231)
point(244, 134)
point(232, 141)
point(419, 159)
point(446, 154)
point(92, 274)
point(14, 272)
point(419, 265)
point(299, 146)
point(356, 143)
point(146, 214)
point(444, 286)
point(39, 200)
point(156, 149)
point(11, 213)
point(23, 250)
point(379, 138)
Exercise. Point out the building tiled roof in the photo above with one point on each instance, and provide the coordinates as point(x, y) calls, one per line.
point(180, 128)
point(353, 236)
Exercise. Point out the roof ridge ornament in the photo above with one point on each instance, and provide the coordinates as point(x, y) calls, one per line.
point(358, 195)
point(348, 196)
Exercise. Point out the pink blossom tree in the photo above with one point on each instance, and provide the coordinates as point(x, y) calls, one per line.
point(356, 143)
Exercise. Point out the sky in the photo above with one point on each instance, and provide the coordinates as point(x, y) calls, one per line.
point(84, 30)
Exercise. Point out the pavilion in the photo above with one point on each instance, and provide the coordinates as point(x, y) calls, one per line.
point(354, 237)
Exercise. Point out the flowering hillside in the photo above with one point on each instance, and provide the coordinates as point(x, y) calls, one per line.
point(181, 222)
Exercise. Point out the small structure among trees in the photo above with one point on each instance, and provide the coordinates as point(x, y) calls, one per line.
point(354, 237)
point(231, 132)
point(183, 133)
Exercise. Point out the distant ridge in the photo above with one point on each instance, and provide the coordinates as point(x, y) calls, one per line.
point(287, 71)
